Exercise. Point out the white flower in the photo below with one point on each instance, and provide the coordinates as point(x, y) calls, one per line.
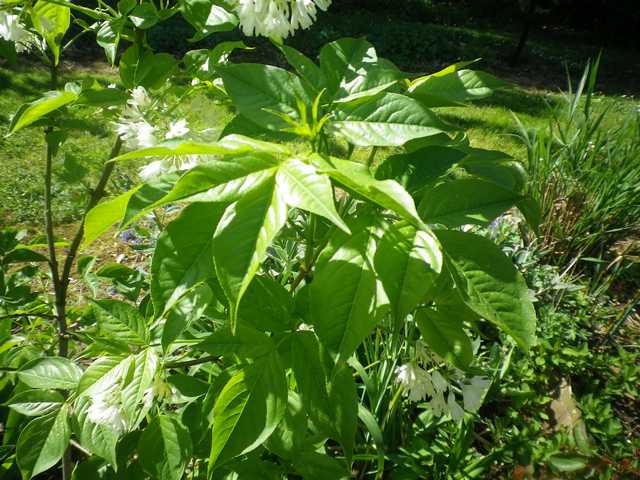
point(136, 133)
point(439, 383)
point(106, 409)
point(140, 99)
point(12, 30)
point(473, 393)
point(166, 165)
point(303, 327)
point(422, 352)
point(152, 170)
point(416, 381)
point(277, 18)
point(437, 404)
point(456, 411)
point(177, 129)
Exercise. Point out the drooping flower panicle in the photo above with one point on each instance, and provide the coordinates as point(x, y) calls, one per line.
point(277, 19)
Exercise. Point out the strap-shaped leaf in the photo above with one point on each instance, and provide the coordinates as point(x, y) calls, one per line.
point(343, 294)
point(121, 321)
point(242, 237)
point(31, 112)
point(445, 335)
point(43, 442)
point(165, 448)
point(356, 177)
point(407, 261)
point(454, 88)
point(248, 409)
point(303, 187)
point(492, 286)
point(50, 372)
point(389, 120)
point(465, 201)
point(183, 256)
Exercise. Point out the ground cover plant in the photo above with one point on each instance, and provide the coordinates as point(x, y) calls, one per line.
point(320, 301)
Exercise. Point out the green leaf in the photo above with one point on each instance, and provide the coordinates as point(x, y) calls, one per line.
point(343, 396)
point(508, 174)
point(388, 120)
point(108, 37)
point(492, 286)
point(134, 402)
point(356, 177)
point(165, 448)
point(98, 439)
point(353, 70)
point(246, 343)
point(465, 201)
point(185, 310)
point(304, 66)
point(568, 462)
point(248, 409)
point(317, 466)
point(454, 88)
point(51, 21)
point(146, 196)
point(343, 294)
point(207, 17)
point(101, 217)
point(50, 372)
point(446, 337)
point(256, 88)
point(311, 378)
point(303, 187)
point(34, 403)
point(183, 257)
point(28, 113)
point(144, 16)
point(416, 169)
point(266, 305)
point(223, 180)
point(144, 68)
point(102, 373)
point(290, 437)
point(244, 233)
point(407, 262)
point(121, 321)
point(43, 442)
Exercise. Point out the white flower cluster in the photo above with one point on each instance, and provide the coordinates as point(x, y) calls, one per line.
point(277, 18)
point(137, 132)
point(12, 30)
point(107, 401)
point(419, 384)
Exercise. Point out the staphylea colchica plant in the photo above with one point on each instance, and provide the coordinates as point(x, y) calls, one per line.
point(316, 278)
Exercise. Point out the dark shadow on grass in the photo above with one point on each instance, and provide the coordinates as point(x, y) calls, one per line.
point(520, 101)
